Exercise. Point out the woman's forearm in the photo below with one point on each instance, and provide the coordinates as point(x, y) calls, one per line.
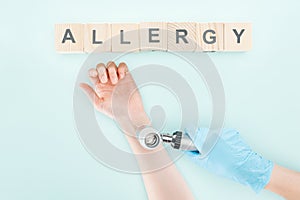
point(165, 183)
point(161, 177)
point(115, 94)
point(285, 182)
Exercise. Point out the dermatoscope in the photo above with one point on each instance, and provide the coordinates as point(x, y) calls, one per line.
point(150, 138)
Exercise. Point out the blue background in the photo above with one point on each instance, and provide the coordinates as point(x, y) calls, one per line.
point(41, 154)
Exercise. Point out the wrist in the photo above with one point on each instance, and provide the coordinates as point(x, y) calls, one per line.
point(141, 119)
point(256, 172)
point(130, 124)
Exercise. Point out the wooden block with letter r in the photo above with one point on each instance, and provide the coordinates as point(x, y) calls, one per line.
point(237, 36)
point(69, 38)
point(182, 36)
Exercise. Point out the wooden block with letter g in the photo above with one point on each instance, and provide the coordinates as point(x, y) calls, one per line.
point(69, 38)
point(210, 36)
point(182, 36)
point(153, 36)
point(97, 36)
point(237, 36)
point(125, 37)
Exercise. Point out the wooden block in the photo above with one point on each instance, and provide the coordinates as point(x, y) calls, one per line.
point(237, 36)
point(69, 38)
point(153, 36)
point(210, 36)
point(182, 36)
point(97, 37)
point(125, 37)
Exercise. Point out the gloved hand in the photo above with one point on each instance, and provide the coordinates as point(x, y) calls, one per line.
point(232, 158)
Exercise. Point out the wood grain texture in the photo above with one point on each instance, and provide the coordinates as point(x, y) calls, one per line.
point(156, 38)
point(231, 40)
point(210, 36)
point(172, 36)
point(179, 44)
point(69, 46)
point(97, 38)
point(130, 37)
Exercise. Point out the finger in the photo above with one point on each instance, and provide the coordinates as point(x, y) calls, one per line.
point(112, 72)
point(90, 93)
point(122, 69)
point(93, 75)
point(102, 88)
point(101, 69)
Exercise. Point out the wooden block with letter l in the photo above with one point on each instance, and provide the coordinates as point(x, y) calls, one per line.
point(182, 36)
point(125, 37)
point(69, 38)
point(153, 36)
point(97, 37)
point(210, 36)
point(237, 36)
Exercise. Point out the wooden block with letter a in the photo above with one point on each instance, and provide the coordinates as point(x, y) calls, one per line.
point(237, 36)
point(125, 37)
point(69, 38)
point(153, 36)
point(97, 37)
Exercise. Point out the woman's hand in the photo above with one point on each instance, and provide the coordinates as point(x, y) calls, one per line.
point(115, 94)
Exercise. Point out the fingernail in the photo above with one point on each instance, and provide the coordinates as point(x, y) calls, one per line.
point(109, 63)
point(103, 79)
point(114, 80)
point(92, 73)
point(121, 75)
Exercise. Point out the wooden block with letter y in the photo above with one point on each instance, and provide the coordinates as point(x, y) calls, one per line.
point(237, 36)
point(69, 38)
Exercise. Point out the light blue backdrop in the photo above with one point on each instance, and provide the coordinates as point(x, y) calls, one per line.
point(41, 154)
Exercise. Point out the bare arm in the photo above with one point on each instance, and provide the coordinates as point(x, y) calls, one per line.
point(164, 183)
point(285, 182)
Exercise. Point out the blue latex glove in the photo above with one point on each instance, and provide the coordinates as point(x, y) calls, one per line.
point(232, 158)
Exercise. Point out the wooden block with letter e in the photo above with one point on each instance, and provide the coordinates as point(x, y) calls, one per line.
point(237, 36)
point(97, 36)
point(69, 38)
point(125, 37)
point(182, 36)
point(153, 36)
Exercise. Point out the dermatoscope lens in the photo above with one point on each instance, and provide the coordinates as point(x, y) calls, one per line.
point(152, 140)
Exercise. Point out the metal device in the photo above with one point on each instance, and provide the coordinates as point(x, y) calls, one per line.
point(178, 140)
point(149, 138)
